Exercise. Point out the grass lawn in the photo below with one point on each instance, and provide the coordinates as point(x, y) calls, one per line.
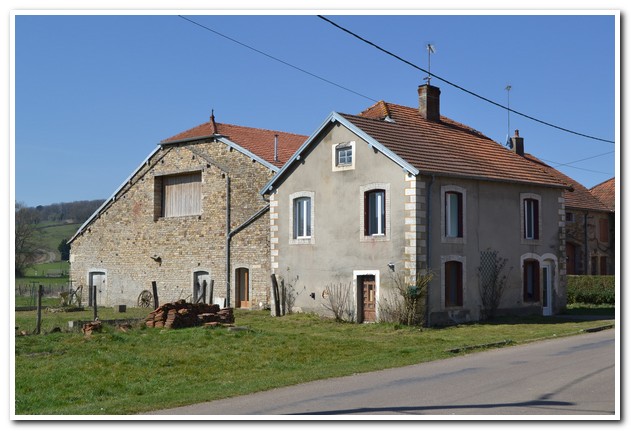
point(115, 372)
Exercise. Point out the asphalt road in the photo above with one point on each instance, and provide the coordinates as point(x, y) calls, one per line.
point(566, 376)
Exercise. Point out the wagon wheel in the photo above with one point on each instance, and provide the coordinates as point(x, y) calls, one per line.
point(145, 299)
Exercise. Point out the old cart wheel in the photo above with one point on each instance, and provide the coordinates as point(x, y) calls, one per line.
point(145, 299)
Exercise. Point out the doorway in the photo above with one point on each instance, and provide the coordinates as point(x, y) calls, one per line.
point(98, 279)
point(201, 287)
point(547, 288)
point(242, 288)
point(367, 298)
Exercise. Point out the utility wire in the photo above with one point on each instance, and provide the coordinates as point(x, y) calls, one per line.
point(576, 167)
point(582, 160)
point(459, 87)
point(277, 59)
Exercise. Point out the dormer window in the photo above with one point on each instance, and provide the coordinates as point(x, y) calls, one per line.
point(343, 156)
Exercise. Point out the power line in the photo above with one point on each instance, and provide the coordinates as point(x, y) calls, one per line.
point(459, 87)
point(582, 160)
point(277, 59)
point(576, 167)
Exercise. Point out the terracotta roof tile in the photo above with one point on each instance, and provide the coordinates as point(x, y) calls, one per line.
point(257, 141)
point(579, 197)
point(446, 147)
point(605, 192)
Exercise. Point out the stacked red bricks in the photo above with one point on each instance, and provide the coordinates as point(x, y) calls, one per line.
point(182, 314)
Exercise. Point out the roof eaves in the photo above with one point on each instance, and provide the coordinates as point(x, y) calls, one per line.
point(497, 180)
point(332, 118)
point(248, 153)
point(112, 198)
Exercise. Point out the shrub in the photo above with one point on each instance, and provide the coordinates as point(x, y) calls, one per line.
point(591, 289)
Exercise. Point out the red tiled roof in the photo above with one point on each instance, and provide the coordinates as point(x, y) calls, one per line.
point(446, 147)
point(258, 141)
point(605, 192)
point(579, 197)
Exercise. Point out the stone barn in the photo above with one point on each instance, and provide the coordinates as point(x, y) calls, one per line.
point(189, 221)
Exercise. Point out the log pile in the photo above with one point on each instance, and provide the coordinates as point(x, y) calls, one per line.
point(90, 327)
point(182, 314)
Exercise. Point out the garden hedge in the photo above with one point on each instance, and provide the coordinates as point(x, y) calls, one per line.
point(591, 289)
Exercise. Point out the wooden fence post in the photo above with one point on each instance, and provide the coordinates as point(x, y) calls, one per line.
point(156, 303)
point(94, 302)
point(275, 294)
point(38, 326)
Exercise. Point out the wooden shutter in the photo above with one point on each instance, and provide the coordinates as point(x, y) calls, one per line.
point(535, 206)
point(604, 230)
point(182, 195)
point(531, 278)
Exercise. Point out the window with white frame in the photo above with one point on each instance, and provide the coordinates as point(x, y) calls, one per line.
point(301, 219)
point(453, 223)
point(375, 212)
point(343, 156)
point(530, 217)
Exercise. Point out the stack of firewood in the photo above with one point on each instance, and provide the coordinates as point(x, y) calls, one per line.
point(182, 314)
point(90, 327)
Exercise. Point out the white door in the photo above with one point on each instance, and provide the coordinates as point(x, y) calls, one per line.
point(201, 287)
point(546, 278)
point(98, 279)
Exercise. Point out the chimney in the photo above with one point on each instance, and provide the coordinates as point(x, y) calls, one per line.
point(213, 125)
point(518, 143)
point(429, 102)
point(276, 148)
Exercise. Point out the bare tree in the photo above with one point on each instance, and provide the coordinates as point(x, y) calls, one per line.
point(407, 305)
point(25, 226)
point(338, 301)
point(492, 281)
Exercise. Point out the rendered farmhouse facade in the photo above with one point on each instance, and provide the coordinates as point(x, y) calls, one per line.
point(399, 190)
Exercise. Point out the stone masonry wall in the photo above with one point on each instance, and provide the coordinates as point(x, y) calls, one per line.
point(124, 240)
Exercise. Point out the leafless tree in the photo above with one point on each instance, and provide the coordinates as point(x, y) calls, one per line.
point(25, 227)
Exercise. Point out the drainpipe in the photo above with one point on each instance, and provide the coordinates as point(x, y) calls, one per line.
point(585, 246)
point(429, 248)
point(227, 240)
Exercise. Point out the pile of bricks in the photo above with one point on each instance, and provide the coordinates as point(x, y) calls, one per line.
point(90, 327)
point(182, 314)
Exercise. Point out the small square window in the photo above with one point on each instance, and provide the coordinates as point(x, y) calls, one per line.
point(344, 156)
point(569, 217)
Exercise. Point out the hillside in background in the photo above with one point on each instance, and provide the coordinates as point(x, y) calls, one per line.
point(57, 222)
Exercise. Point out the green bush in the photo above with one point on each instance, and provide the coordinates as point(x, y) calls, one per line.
point(591, 289)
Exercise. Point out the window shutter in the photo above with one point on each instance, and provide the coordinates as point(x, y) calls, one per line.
point(460, 220)
point(535, 205)
point(459, 282)
point(366, 213)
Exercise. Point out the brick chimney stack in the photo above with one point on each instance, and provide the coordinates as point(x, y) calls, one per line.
point(429, 102)
point(518, 143)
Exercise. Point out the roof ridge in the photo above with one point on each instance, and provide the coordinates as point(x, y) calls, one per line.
point(602, 182)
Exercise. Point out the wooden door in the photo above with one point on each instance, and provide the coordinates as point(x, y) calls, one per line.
point(242, 288)
point(368, 298)
point(570, 250)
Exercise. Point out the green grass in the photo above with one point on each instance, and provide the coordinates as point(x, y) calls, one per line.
point(49, 234)
point(144, 369)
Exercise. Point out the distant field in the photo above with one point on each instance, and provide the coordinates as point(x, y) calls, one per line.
point(50, 234)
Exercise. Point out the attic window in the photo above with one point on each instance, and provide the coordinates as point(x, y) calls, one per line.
point(343, 156)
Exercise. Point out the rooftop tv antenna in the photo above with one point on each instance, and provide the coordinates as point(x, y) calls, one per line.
point(508, 89)
point(431, 49)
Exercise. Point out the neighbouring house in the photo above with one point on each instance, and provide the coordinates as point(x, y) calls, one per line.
point(400, 191)
point(606, 193)
point(190, 219)
point(589, 225)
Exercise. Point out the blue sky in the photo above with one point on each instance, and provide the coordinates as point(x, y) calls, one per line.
point(95, 94)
